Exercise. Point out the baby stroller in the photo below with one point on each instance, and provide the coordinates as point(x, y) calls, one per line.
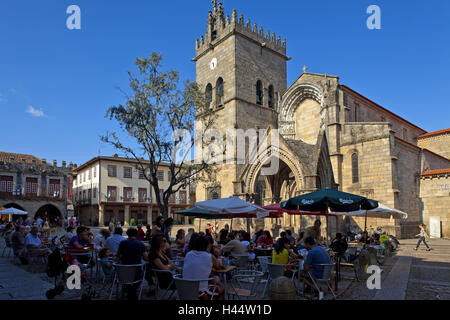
point(56, 268)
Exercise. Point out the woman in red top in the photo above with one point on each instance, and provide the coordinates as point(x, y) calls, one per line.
point(141, 233)
point(265, 239)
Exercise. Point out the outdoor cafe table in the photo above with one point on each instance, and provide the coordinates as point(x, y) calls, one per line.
point(263, 251)
point(222, 274)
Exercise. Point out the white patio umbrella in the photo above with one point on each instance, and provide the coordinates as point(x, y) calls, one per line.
point(13, 211)
point(383, 211)
point(231, 206)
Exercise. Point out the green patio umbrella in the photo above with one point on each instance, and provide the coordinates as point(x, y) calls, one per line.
point(336, 200)
point(329, 199)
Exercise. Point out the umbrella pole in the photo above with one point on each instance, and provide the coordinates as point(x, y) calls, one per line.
point(248, 225)
point(231, 227)
point(365, 229)
point(200, 225)
point(327, 228)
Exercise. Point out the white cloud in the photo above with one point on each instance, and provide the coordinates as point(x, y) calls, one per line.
point(35, 112)
point(2, 99)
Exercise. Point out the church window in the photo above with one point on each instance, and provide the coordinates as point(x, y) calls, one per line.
point(208, 94)
point(355, 173)
point(345, 99)
point(259, 92)
point(271, 97)
point(405, 134)
point(356, 111)
point(219, 92)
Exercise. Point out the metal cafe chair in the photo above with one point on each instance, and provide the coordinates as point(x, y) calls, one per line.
point(163, 293)
point(275, 271)
point(128, 275)
point(188, 289)
point(244, 285)
point(326, 275)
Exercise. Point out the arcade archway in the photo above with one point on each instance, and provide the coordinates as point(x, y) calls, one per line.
point(49, 211)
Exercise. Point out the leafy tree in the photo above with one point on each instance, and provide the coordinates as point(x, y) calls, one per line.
point(158, 108)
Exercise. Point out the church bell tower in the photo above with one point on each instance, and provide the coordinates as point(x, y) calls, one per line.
point(242, 70)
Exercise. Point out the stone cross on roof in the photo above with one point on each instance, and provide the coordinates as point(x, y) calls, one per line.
point(304, 69)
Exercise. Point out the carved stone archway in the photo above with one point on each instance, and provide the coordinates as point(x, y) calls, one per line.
point(252, 172)
point(292, 100)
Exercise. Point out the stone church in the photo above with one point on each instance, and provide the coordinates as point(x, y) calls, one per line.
point(329, 134)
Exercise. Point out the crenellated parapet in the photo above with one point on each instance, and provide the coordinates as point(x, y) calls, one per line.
point(219, 27)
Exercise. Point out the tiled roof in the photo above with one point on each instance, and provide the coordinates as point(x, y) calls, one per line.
point(434, 133)
point(6, 157)
point(436, 172)
point(380, 107)
point(114, 158)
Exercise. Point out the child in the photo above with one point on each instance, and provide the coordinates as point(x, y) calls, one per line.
point(105, 261)
point(423, 235)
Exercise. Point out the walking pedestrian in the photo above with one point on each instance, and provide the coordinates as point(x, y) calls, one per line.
point(422, 237)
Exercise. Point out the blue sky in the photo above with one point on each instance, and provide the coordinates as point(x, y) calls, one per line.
point(71, 76)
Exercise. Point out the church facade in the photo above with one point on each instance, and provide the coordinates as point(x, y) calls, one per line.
point(329, 135)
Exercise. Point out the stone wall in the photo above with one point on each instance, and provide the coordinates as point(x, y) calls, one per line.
point(435, 198)
point(365, 110)
point(406, 183)
point(432, 161)
point(307, 121)
point(439, 144)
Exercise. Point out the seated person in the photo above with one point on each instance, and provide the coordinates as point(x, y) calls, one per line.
point(265, 240)
point(131, 252)
point(280, 254)
point(189, 245)
point(198, 264)
point(375, 240)
point(158, 260)
point(233, 247)
point(363, 237)
point(69, 235)
point(105, 261)
point(256, 236)
point(245, 240)
point(18, 240)
point(316, 255)
point(81, 241)
point(34, 245)
point(223, 237)
point(290, 237)
point(180, 239)
point(113, 241)
point(339, 244)
point(100, 239)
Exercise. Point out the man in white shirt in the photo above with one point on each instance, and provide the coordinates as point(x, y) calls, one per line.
point(113, 241)
point(100, 239)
